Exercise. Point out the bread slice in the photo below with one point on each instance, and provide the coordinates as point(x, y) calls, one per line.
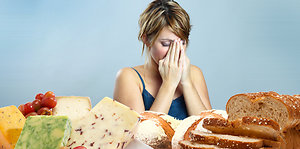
point(246, 126)
point(226, 141)
point(283, 109)
point(185, 144)
point(192, 123)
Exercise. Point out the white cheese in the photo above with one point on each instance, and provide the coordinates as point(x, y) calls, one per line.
point(109, 125)
point(72, 106)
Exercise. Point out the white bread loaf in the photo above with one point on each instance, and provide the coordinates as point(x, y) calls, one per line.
point(283, 109)
point(246, 126)
point(193, 123)
point(72, 106)
point(155, 129)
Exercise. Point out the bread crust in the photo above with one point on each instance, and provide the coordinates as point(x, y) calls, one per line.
point(169, 131)
point(291, 104)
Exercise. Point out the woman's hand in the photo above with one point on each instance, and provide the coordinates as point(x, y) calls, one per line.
point(186, 72)
point(171, 67)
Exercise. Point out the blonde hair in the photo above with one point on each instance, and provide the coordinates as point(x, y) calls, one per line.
point(160, 14)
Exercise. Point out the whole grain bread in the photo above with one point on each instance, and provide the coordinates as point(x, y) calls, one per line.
point(284, 109)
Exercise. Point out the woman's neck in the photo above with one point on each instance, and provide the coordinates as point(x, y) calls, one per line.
point(152, 69)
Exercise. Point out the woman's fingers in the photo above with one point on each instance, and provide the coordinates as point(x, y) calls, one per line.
point(172, 54)
point(167, 58)
point(160, 66)
point(177, 53)
point(181, 59)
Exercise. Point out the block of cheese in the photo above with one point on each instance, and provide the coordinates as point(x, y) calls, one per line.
point(44, 132)
point(109, 125)
point(72, 106)
point(4, 144)
point(11, 123)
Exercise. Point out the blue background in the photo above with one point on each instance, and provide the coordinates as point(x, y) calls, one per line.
point(77, 47)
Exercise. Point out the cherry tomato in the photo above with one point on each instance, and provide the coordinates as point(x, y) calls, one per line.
point(49, 94)
point(22, 109)
point(28, 108)
point(49, 102)
point(37, 104)
point(44, 111)
point(39, 96)
point(31, 114)
point(80, 147)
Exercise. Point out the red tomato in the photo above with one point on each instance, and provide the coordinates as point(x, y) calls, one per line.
point(22, 109)
point(28, 108)
point(37, 104)
point(31, 114)
point(49, 94)
point(44, 111)
point(49, 102)
point(80, 147)
point(39, 96)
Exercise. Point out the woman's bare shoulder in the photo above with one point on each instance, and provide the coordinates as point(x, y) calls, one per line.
point(195, 70)
point(128, 71)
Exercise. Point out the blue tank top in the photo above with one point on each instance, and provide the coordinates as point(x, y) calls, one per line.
point(177, 109)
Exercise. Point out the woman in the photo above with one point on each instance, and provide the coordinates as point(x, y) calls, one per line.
point(167, 82)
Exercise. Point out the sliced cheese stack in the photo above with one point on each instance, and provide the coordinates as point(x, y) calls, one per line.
point(72, 106)
point(108, 125)
point(11, 124)
point(45, 132)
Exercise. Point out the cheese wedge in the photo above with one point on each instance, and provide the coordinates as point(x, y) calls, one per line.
point(4, 143)
point(109, 125)
point(11, 123)
point(45, 132)
point(72, 106)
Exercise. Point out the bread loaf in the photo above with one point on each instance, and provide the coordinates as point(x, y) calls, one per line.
point(155, 131)
point(283, 109)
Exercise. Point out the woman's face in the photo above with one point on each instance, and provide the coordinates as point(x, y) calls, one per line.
point(161, 45)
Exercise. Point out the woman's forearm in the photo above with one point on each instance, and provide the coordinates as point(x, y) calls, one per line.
point(163, 98)
point(192, 99)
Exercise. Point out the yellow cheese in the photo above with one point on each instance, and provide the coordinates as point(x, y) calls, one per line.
point(4, 143)
point(11, 123)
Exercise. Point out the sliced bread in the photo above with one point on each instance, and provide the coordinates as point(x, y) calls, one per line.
point(246, 126)
point(185, 144)
point(226, 141)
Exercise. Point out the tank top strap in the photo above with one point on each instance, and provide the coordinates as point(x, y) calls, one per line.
point(140, 77)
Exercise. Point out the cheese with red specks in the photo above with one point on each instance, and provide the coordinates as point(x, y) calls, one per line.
point(109, 125)
point(11, 123)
